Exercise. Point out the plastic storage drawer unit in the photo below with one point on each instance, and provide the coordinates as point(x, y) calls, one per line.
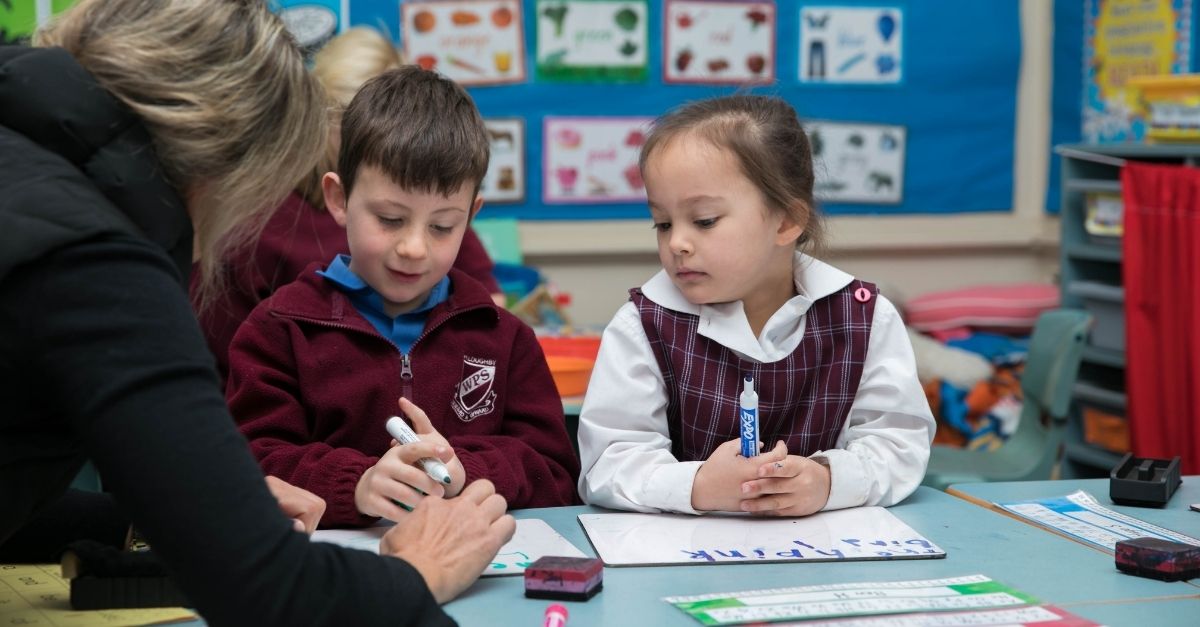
point(1107, 304)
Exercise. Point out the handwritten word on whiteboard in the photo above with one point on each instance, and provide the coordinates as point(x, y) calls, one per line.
point(861, 533)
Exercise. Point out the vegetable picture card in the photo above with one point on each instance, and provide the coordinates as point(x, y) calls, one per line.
point(592, 40)
point(473, 42)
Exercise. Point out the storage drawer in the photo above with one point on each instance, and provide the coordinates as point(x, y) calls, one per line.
point(1104, 429)
point(1107, 304)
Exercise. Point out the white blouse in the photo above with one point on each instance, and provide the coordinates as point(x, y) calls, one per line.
point(880, 455)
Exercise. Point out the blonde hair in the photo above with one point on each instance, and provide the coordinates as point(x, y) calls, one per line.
point(342, 67)
point(235, 117)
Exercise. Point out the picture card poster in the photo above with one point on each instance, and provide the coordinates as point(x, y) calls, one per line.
point(592, 40)
point(593, 159)
point(473, 42)
point(857, 163)
point(711, 41)
point(841, 44)
point(505, 179)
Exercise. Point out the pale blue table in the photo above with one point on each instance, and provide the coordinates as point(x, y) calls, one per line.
point(1071, 575)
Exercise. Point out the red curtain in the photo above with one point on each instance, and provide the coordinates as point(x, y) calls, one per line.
point(1161, 273)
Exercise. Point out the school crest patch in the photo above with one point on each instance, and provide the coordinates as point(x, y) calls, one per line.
point(475, 396)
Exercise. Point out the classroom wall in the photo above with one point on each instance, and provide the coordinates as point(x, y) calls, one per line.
point(597, 262)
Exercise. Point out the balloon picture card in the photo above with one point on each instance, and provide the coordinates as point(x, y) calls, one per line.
point(851, 45)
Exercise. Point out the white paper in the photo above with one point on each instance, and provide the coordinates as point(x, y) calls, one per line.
point(860, 533)
point(857, 601)
point(1080, 516)
point(533, 539)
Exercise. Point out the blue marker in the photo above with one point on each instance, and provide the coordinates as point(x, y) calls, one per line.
point(748, 418)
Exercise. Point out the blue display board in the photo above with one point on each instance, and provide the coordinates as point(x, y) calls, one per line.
point(1066, 108)
point(956, 102)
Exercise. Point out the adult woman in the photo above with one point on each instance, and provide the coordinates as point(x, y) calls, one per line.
point(153, 125)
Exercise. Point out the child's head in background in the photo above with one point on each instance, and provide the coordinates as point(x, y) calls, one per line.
point(730, 187)
point(413, 154)
point(342, 66)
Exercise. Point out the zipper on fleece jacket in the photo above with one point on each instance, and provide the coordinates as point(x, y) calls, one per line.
point(406, 376)
point(406, 369)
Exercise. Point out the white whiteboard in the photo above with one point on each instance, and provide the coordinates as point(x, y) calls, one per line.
point(533, 539)
point(860, 533)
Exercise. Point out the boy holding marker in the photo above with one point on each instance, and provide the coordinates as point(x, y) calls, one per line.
point(315, 370)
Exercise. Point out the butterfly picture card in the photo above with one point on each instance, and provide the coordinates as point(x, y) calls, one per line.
point(851, 44)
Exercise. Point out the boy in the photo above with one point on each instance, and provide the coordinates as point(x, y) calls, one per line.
point(316, 370)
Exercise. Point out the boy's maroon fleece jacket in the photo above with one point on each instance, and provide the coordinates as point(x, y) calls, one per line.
point(312, 383)
point(297, 235)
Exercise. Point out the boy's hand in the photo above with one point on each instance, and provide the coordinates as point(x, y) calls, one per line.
point(424, 428)
point(718, 483)
point(791, 486)
point(394, 486)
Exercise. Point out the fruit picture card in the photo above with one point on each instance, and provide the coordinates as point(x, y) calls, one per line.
point(473, 42)
point(719, 42)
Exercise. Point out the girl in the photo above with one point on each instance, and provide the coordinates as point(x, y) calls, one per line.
point(844, 419)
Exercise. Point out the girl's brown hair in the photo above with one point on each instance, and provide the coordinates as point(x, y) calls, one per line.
point(765, 137)
point(235, 117)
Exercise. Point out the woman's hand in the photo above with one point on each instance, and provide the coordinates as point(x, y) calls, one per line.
point(302, 506)
point(451, 541)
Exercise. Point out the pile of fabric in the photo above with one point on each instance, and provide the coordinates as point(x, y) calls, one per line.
point(970, 347)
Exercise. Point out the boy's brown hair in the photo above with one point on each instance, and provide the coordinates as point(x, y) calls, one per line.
point(766, 139)
point(417, 126)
